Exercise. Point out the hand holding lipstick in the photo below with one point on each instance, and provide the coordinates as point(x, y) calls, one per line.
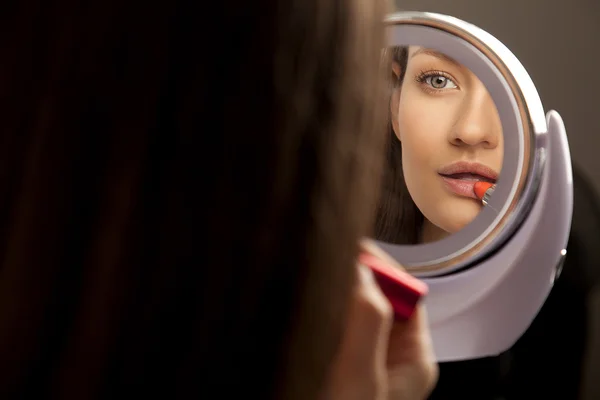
point(382, 357)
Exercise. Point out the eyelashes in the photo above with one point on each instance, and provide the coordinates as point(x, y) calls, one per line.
point(436, 81)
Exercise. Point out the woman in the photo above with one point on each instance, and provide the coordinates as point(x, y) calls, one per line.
point(445, 134)
point(183, 197)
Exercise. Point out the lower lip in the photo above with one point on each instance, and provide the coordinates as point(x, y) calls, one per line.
point(461, 187)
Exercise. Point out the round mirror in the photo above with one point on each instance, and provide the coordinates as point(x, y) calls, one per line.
point(477, 190)
point(464, 118)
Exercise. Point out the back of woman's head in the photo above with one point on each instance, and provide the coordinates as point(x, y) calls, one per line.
point(182, 191)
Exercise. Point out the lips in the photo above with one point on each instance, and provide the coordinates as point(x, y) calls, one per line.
point(460, 177)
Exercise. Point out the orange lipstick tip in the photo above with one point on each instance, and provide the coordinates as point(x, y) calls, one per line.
point(480, 188)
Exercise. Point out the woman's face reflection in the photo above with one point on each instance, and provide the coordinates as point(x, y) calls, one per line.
point(451, 137)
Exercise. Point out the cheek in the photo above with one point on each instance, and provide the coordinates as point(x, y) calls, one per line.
point(422, 131)
point(424, 125)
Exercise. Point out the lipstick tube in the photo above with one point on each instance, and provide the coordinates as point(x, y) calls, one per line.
point(483, 191)
point(402, 290)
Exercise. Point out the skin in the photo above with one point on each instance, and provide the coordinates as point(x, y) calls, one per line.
point(442, 114)
point(379, 358)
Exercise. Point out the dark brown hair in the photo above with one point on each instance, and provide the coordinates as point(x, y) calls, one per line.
point(183, 188)
point(399, 220)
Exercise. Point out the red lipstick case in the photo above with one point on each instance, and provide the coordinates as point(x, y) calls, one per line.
point(401, 289)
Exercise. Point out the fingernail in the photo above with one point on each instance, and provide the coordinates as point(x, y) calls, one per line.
point(365, 274)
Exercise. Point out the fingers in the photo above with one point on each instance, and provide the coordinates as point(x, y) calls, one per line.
point(413, 370)
point(370, 246)
point(371, 296)
point(378, 317)
point(359, 371)
point(410, 339)
point(379, 359)
point(411, 363)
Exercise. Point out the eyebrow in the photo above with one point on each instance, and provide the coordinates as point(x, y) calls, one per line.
point(435, 53)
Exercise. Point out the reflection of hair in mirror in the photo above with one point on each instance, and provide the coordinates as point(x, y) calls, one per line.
point(399, 220)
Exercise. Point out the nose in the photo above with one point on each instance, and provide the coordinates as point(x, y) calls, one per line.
point(478, 122)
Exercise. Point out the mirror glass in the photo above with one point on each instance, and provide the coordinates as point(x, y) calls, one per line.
point(465, 144)
point(445, 147)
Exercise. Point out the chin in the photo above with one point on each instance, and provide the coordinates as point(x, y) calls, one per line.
point(459, 224)
point(457, 216)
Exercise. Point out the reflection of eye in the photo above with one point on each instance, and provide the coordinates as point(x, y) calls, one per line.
point(436, 80)
point(439, 82)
